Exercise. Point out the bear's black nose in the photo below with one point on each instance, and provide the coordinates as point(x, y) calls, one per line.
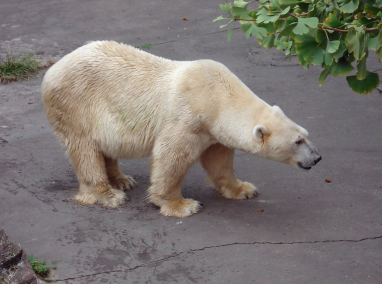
point(317, 160)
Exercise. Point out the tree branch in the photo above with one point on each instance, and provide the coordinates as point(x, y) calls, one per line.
point(254, 20)
point(296, 16)
point(368, 30)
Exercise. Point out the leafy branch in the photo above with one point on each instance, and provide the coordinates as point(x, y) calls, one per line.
point(332, 33)
point(319, 26)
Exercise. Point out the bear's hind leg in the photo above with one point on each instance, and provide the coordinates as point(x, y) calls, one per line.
point(116, 178)
point(170, 163)
point(89, 164)
point(217, 160)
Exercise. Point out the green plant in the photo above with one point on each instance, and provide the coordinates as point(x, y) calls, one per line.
point(40, 267)
point(17, 67)
point(146, 45)
point(330, 33)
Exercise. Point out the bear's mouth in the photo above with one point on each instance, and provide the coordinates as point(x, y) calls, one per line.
point(304, 168)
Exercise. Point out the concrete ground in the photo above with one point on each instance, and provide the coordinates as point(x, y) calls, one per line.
point(309, 232)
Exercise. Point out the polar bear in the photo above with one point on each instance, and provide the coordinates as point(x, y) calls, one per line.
point(107, 101)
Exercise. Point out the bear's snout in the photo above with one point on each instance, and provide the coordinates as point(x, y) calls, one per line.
point(317, 160)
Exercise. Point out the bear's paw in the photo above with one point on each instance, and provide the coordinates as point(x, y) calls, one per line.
point(180, 207)
point(111, 198)
point(246, 190)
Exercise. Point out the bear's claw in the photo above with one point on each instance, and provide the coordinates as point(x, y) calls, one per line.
point(123, 182)
point(255, 193)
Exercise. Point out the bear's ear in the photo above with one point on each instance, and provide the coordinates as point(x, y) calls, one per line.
point(259, 131)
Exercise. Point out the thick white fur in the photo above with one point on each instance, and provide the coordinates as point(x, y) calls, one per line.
point(108, 101)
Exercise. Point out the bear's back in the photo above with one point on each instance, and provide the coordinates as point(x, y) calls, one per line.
point(108, 90)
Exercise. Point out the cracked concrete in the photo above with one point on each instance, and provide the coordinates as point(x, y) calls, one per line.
point(309, 232)
point(127, 270)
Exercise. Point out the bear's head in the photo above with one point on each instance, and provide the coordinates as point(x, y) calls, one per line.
point(282, 140)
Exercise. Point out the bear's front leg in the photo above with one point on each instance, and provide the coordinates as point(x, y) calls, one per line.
point(171, 159)
point(217, 160)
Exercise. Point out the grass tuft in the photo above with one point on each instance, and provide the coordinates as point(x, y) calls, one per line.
point(40, 267)
point(146, 45)
point(17, 67)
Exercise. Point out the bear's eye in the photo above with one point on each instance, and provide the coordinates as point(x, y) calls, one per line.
point(298, 142)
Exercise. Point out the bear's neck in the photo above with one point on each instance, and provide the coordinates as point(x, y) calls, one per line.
point(234, 126)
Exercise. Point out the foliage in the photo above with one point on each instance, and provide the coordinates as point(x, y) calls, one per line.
point(17, 67)
point(332, 33)
point(40, 267)
point(146, 45)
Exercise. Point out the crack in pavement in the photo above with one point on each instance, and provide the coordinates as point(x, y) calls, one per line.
point(155, 269)
point(212, 247)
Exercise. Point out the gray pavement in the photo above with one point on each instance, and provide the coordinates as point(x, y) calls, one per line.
point(310, 231)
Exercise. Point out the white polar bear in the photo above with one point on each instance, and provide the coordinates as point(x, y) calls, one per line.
point(107, 101)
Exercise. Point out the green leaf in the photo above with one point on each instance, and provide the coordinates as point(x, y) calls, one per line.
point(340, 51)
point(270, 27)
point(332, 21)
point(373, 43)
point(378, 3)
point(380, 33)
point(361, 69)
point(328, 58)
point(364, 86)
point(229, 35)
point(285, 11)
point(288, 49)
point(354, 42)
point(366, 21)
point(287, 30)
point(238, 12)
point(321, 36)
point(300, 29)
point(293, 50)
point(341, 68)
point(252, 29)
point(291, 20)
point(226, 7)
point(267, 19)
point(290, 3)
point(371, 10)
point(311, 22)
point(240, 4)
point(307, 46)
point(263, 11)
point(302, 61)
point(350, 7)
point(220, 18)
point(269, 41)
point(324, 74)
point(304, 23)
point(240, 8)
point(332, 46)
point(379, 53)
point(246, 17)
